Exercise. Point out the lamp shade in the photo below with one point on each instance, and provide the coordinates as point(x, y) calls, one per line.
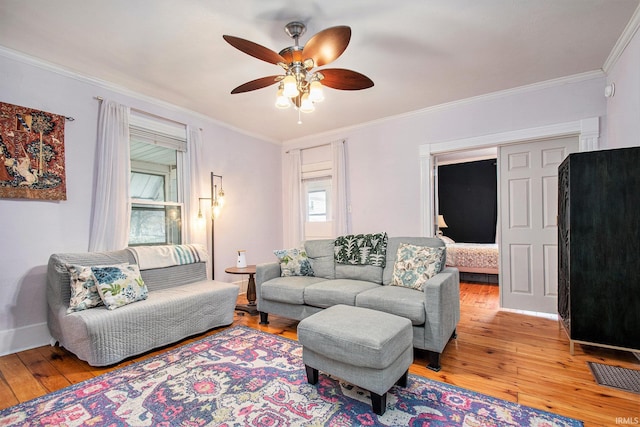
point(290, 87)
point(306, 105)
point(441, 223)
point(315, 91)
point(281, 100)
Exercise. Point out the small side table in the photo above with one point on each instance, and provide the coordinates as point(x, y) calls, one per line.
point(250, 308)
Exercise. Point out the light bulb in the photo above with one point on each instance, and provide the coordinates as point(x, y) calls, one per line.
point(315, 91)
point(306, 105)
point(281, 100)
point(216, 211)
point(200, 219)
point(221, 198)
point(290, 86)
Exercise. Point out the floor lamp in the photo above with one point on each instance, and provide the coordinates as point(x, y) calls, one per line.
point(217, 201)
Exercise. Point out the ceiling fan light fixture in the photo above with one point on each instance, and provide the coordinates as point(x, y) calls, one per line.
point(290, 87)
point(306, 104)
point(301, 84)
point(315, 91)
point(282, 101)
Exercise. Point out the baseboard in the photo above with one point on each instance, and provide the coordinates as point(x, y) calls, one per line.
point(24, 338)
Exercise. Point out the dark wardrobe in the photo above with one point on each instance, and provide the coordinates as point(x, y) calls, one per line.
point(599, 247)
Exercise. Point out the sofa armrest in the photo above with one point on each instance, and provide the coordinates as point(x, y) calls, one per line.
point(442, 302)
point(264, 273)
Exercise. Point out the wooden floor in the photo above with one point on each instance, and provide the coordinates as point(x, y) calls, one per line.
point(512, 356)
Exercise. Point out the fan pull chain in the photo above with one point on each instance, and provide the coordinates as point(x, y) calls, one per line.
point(299, 117)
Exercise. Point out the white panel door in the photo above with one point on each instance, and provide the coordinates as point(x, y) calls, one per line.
point(528, 201)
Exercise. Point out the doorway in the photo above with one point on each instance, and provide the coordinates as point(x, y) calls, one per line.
point(585, 133)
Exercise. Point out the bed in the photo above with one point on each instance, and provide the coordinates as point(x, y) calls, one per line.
point(478, 261)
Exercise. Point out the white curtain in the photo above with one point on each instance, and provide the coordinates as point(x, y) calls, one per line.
point(194, 188)
point(339, 203)
point(292, 207)
point(110, 219)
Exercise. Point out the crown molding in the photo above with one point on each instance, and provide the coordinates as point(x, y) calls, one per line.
point(29, 60)
point(623, 41)
point(103, 84)
point(575, 78)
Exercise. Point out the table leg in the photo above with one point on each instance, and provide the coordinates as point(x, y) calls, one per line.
point(251, 290)
point(250, 308)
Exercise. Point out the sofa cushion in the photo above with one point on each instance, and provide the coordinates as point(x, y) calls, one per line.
point(367, 273)
point(320, 253)
point(338, 291)
point(294, 262)
point(103, 337)
point(119, 285)
point(404, 302)
point(392, 250)
point(289, 290)
point(415, 265)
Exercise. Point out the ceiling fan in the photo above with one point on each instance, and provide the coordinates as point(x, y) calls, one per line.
point(301, 84)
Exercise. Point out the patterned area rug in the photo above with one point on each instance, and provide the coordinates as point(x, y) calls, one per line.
point(244, 377)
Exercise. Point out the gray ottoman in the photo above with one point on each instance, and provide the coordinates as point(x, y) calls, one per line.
point(364, 347)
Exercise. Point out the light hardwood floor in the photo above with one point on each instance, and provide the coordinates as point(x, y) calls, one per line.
point(512, 356)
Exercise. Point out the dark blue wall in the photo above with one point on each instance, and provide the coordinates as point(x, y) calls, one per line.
point(467, 197)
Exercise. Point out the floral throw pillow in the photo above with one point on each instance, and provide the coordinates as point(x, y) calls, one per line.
point(294, 262)
point(415, 265)
point(119, 285)
point(84, 293)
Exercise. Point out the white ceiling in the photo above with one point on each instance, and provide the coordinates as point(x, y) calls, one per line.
point(418, 53)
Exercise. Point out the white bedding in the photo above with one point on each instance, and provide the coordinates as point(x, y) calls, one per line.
point(473, 257)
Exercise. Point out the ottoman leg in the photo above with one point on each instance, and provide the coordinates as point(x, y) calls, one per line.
point(379, 403)
point(312, 374)
point(402, 382)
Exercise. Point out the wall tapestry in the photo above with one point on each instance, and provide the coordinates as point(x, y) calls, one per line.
point(31, 154)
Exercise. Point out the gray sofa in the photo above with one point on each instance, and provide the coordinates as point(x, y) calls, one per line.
point(434, 312)
point(181, 302)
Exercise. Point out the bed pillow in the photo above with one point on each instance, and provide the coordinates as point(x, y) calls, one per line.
point(294, 262)
point(446, 240)
point(415, 265)
point(84, 293)
point(119, 285)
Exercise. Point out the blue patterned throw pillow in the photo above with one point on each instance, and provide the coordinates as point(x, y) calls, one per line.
point(119, 285)
point(84, 293)
point(415, 265)
point(294, 262)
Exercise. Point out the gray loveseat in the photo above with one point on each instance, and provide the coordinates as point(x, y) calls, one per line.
point(434, 311)
point(181, 302)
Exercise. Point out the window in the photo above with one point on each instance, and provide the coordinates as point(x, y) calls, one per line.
point(318, 200)
point(157, 150)
point(316, 187)
point(317, 206)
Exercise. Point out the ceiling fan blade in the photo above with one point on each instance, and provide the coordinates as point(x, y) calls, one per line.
point(327, 45)
point(254, 49)
point(339, 78)
point(257, 84)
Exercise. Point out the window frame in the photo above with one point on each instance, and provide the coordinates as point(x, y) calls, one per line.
point(169, 135)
